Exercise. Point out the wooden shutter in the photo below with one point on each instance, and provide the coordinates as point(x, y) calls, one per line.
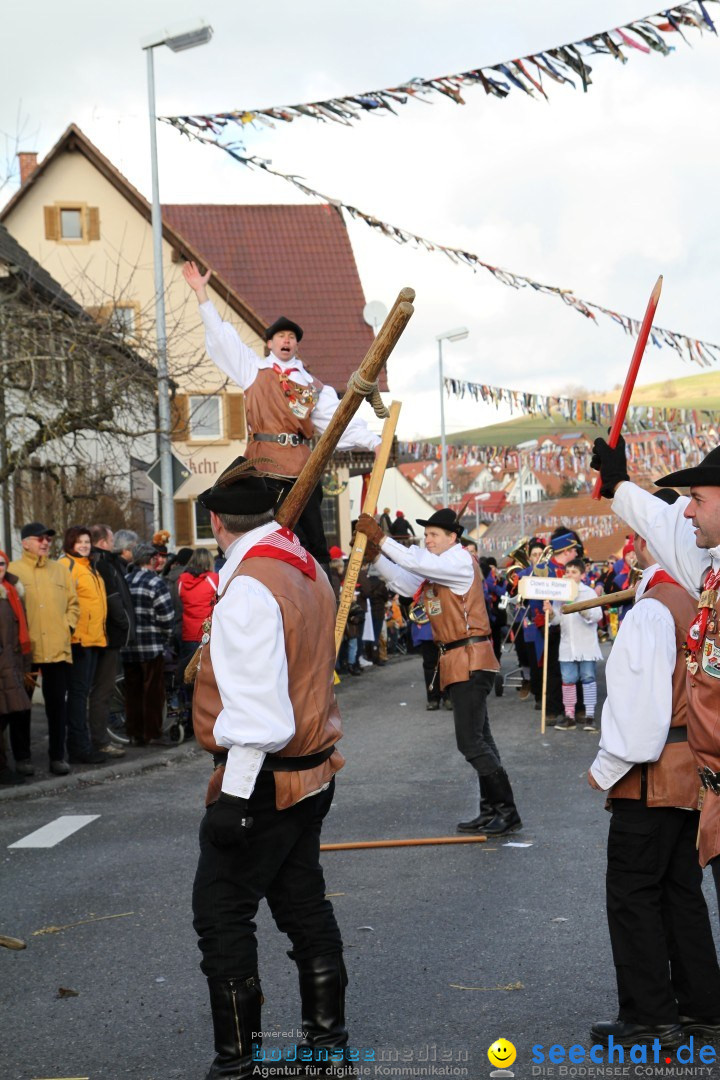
point(184, 531)
point(52, 222)
point(234, 416)
point(180, 418)
point(92, 223)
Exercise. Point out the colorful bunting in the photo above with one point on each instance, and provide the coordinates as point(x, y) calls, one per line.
point(700, 352)
point(569, 64)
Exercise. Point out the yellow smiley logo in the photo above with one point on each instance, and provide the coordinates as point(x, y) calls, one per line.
point(502, 1053)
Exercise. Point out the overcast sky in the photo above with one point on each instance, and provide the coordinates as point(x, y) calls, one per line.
point(597, 192)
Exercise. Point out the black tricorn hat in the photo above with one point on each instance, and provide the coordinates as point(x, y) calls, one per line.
point(240, 489)
point(283, 324)
point(706, 474)
point(443, 519)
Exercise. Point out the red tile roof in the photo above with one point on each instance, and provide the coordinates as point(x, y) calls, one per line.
point(292, 260)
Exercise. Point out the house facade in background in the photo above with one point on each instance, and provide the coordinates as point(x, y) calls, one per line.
point(83, 221)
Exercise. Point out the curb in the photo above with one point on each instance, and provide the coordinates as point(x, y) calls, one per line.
point(61, 784)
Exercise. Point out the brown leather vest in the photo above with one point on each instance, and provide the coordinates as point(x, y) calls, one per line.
point(308, 614)
point(672, 780)
point(454, 617)
point(703, 695)
point(269, 413)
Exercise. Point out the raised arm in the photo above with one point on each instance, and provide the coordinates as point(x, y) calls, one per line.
point(357, 435)
point(222, 341)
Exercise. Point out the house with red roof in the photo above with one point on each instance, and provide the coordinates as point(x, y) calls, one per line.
point(88, 226)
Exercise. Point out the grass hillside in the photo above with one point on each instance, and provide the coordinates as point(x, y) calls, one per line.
point(691, 392)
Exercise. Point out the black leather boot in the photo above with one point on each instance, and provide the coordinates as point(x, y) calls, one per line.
point(498, 791)
point(235, 1005)
point(322, 993)
point(486, 815)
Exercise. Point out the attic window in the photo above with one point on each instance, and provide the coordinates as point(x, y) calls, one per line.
point(71, 224)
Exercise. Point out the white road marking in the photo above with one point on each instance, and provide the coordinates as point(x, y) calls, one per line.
point(55, 831)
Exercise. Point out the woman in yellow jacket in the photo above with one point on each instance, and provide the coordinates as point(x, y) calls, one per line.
point(88, 638)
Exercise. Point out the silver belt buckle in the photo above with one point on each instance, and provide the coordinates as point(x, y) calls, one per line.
point(283, 439)
point(294, 440)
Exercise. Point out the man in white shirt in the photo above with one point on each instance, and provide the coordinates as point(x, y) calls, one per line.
point(285, 406)
point(450, 582)
point(667, 971)
point(265, 708)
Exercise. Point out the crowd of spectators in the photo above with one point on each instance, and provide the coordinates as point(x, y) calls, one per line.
point(104, 631)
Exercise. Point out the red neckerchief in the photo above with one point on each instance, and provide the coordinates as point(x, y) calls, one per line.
point(559, 568)
point(284, 545)
point(418, 594)
point(661, 577)
point(283, 374)
point(696, 633)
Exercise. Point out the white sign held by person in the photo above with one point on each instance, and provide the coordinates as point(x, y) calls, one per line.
point(562, 590)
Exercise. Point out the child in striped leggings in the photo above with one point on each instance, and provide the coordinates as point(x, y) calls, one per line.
point(579, 651)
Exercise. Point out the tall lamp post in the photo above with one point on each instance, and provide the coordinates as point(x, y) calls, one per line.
point(450, 335)
point(520, 447)
point(178, 41)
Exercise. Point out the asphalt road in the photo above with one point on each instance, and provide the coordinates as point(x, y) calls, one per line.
point(448, 947)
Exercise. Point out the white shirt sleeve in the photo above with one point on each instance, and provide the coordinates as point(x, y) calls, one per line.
point(453, 568)
point(225, 348)
point(636, 715)
point(669, 535)
point(247, 647)
point(400, 581)
point(357, 435)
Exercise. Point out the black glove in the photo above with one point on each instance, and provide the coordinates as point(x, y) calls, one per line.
point(228, 822)
point(611, 464)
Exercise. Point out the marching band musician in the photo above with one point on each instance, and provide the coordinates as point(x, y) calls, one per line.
point(451, 587)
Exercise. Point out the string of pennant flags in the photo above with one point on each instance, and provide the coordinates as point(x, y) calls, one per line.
point(703, 353)
point(578, 410)
point(533, 74)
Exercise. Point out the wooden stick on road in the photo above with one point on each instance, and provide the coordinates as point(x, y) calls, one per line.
point(368, 507)
point(375, 358)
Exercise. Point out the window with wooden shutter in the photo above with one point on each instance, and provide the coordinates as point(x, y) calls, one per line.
point(179, 418)
point(183, 523)
point(52, 222)
point(235, 416)
point(92, 223)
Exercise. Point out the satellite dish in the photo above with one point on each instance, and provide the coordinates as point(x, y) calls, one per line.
point(374, 313)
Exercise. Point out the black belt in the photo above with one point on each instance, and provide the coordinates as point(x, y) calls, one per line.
point(275, 763)
point(463, 641)
point(676, 734)
point(284, 438)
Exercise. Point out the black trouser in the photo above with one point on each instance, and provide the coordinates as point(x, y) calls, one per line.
point(282, 864)
point(309, 528)
point(554, 678)
point(662, 943)
point(430, 655)
point(55, 683)
point(525, 653)
point(472, 726)
point(18, 724)
point(101, 691)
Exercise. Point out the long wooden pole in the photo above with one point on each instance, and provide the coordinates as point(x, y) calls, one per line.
point(369, 506)
point(545, 671)
point(369, 370)
point(421, 842)
point(627, 389)
point(608, 599)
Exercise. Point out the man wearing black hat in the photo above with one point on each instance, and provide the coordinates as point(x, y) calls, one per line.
point(52, 610)
point(685, 537)
point(285, 406)
point(451, 586)
point(265, 708)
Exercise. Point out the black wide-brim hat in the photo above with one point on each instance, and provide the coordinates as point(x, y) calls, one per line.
point(443, 519)
point(284, 324)
point(239, 489)
point(706, 474)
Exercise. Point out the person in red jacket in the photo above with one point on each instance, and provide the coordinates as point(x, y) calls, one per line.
point(197, 591)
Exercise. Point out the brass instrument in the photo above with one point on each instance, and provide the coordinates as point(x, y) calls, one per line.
point(518, 556)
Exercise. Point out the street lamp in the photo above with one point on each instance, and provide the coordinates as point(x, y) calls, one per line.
point(450, 335)
point(520, 447)
point(179, 40)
